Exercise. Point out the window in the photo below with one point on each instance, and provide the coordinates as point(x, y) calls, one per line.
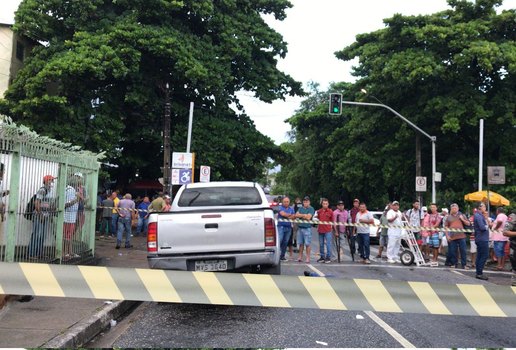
point(20, 51)
point(219, 196)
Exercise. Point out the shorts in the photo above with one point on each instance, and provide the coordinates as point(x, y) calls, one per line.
point(499, 248)
point(68, 230)
point(433, 240)
point(383, 241)
point(304, 236)
point(473, 247)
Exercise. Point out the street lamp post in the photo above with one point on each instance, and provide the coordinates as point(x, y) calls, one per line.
point(433, 139)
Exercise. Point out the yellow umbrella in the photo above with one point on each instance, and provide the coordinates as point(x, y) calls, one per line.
point(481, 196)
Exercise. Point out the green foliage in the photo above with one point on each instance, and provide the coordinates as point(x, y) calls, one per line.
point(444, 72)
point(99, 79)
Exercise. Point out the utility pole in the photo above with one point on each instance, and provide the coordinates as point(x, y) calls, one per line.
point(418, 163)
point(166, 142)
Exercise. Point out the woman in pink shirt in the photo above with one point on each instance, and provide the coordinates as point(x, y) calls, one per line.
point(499, 240)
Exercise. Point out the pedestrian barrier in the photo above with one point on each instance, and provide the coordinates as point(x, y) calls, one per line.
point(257, 290)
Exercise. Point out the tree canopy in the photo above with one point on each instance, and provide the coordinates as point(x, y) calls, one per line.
point(444, 72)
point(99, 78)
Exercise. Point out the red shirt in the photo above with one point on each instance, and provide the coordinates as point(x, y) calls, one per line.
point(324, 215)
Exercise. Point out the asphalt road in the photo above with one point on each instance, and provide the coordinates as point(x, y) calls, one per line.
point(185, 325)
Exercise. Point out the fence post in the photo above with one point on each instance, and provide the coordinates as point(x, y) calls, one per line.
point(93, 182)
point(14, 195)
point(61, 188)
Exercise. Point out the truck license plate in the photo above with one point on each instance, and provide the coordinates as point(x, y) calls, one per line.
point(211, 265)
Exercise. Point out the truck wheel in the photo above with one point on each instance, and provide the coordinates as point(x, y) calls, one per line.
point(271, 270)
point(407, 258)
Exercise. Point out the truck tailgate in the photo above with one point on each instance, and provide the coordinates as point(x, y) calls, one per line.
point(195, 232)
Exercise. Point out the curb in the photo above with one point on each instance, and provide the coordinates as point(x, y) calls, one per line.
point(86, 329)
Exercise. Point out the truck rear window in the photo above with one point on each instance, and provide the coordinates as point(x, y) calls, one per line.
point(219, 196)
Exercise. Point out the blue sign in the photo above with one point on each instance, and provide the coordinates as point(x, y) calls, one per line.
point(185, 176)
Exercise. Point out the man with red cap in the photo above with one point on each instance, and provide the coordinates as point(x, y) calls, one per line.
point(44, 208)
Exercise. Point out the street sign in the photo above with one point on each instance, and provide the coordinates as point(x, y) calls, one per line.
point(496, 175)
point(181, 160)
point(205, 172)
point(181, 176)
point(420, 183)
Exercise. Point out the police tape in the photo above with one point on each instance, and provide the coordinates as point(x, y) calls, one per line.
point(348, 224)
point(257, 290)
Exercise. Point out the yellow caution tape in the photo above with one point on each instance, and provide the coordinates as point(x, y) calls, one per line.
point(257, 290)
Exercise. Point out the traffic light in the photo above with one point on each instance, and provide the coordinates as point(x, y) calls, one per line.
point(335, 104)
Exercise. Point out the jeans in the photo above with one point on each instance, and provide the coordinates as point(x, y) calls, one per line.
point(452, 251)
point(326, 236)
point(40, 225)
point(142, 226)
point(124, 224)
point(364, 245)
point(284, 233)
point(114, 225)
point(482, 254)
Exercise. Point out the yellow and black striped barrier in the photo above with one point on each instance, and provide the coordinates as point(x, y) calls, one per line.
point(257, 290)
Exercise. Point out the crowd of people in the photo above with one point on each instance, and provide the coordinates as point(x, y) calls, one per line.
point(434, 231)
point(118, 216)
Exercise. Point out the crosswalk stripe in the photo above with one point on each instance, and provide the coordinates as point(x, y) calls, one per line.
point(266, 290)
point(429, 298)
point(376, 294)
point(212, 287)
point(481, 300)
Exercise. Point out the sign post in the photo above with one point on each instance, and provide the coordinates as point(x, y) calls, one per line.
point(420, 183)
point(205, 172)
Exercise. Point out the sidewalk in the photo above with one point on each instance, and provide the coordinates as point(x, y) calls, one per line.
point(68, 322)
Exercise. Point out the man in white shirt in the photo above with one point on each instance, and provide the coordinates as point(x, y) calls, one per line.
point(393, 247)
point(364, 217)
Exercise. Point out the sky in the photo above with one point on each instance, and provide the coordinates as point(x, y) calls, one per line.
point(313, 30)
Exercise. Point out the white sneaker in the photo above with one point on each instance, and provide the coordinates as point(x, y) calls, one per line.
point(391, 261)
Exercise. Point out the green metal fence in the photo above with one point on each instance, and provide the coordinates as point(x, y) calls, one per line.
point(58, 224)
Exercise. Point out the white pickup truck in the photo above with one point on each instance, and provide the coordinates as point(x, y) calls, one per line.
point(215, 226)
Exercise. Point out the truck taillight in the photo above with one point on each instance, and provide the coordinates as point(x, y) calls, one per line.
point(152, 237)
point(270, 232)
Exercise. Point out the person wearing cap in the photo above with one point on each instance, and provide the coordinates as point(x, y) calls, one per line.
point(42, 223)
point(304, 233)
point(394, 217)
point(340, 215)
point(415, 218)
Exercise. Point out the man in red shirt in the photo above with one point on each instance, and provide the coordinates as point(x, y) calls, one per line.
point(325, 231)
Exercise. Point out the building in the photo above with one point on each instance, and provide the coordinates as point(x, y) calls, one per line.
point(14, 49)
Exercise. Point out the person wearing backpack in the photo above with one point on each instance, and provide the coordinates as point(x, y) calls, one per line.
point(42, 218)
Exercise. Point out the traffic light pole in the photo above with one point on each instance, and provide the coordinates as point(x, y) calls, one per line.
point(433, 139)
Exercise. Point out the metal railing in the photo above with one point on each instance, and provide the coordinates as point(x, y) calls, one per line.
point(48, 192)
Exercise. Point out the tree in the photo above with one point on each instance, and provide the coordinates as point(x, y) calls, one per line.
point(98, 81)
point(444, 72)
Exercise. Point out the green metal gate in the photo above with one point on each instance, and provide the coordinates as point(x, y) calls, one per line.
point(59, 225)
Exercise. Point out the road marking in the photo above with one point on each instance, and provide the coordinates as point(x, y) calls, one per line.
point(101, 283)
point(266, 290)
point(481, 300)
point(158, 285)
point(376, 294)
point(391, 331)
point(429, 298)
point(212, 287)
point(458, 273)
point(319, 272)
point(323, 293)
point(42, 280)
